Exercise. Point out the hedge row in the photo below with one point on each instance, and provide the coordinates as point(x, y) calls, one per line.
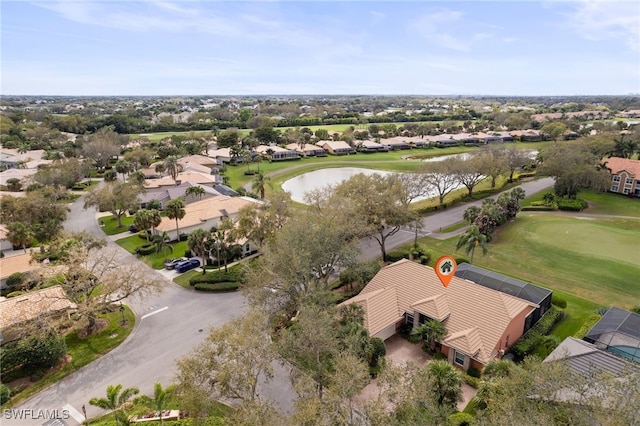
point(558, 301)
point(146, 249)
point(217, 287)
point(526, 344)
point(537, 208)
point(214, 277)
point(588, 325)
point(576, 205)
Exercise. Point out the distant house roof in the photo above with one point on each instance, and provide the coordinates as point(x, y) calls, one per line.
point(334, 145)
point(188, 176)
point(502, 283)
point(198, 159)
point(475, 316)
point(617, 165)
point(19, 309)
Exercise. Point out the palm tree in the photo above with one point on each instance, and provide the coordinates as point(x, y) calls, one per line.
point(19, 234)
point(162, 244)
point(155, 219)
point(175, 210)
point(471, 239)
point(247, 158)
point(115, 400)
point(431, 332)
point(235, 152)
point(160, 398)
point(173, 167)
point(258, 184)
point(143, 220)
point(446, 382)
point(124, 167)
point(195, 190)
point(197, 242)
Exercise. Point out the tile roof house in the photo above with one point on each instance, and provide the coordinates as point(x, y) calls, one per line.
point(625, 175)
point(205, 214)
point(276, 153)
point(164, 194)
point(29, 306)
point(481, 323)
point(336, 147)
point(194, 177)
point(308, 150)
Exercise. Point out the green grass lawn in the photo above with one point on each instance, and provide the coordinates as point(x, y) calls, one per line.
point(596, 260)
point(84, 351)
point(610, 203)
point(111, 224)
point(155, 260)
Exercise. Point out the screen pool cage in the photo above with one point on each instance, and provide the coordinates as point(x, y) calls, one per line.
point(617, 332)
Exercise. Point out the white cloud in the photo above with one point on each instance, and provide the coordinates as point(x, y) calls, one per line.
point(434, 27)
point(608, 20)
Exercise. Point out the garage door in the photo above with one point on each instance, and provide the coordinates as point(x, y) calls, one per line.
point(386, 332)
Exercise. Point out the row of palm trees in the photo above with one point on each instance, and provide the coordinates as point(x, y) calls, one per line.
point(117, 400)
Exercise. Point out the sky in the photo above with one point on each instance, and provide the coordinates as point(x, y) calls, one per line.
point(147, 48)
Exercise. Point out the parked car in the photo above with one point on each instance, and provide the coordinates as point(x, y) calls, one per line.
point(187, 265)
point(132, 228)
point(171, 263)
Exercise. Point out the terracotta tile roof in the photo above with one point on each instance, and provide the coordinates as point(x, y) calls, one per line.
point(478, 316)
point(333, 145)
point(16, 310)
point(436, 307)
point(188, 176)
point(210, 208)
point(468, 341)
point(384, 303)
point(617, 164)
point(17, 263)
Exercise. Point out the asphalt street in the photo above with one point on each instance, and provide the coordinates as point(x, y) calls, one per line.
point(170, 324)
point(433, 224)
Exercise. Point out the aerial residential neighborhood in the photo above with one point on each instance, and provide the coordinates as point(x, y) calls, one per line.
point(330, 213)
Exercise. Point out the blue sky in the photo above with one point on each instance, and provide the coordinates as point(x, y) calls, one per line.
point(331, 47)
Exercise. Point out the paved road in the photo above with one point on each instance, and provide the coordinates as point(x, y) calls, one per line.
point(434, 223)
point(172, 323)
point(168, 326)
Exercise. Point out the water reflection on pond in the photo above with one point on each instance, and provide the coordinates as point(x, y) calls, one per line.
point(317, 179)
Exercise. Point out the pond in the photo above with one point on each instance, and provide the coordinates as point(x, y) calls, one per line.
point(300, 185)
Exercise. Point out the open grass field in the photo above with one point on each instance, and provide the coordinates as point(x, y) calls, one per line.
point(597, 259)
point(610, 203)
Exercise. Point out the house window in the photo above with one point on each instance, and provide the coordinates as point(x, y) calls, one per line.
point(410, 320)
point(458, 358)
point(506, 341)
point(628, 181)
point(616, 178)
point(625, 191)
point(614, 188)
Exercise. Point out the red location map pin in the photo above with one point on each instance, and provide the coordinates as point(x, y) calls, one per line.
point(445, 267)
